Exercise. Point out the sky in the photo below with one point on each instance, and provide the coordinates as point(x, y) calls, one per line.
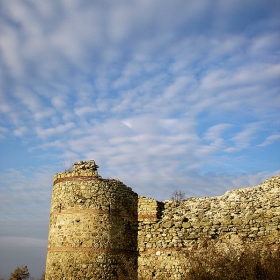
point(163, 95)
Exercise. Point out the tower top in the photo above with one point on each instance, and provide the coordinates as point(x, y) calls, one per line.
point(83, 165)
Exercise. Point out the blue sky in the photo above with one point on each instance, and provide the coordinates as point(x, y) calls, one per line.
point(163, 95)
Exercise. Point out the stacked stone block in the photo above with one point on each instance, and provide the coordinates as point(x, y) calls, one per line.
point(249, 215)
point(101, 229)
point(93, 227)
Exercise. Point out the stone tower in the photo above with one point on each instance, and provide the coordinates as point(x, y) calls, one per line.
point(93, 227)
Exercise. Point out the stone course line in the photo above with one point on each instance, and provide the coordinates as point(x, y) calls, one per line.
point(97, 212)
point(91, 250)
point(77, 178)
point(93, 212)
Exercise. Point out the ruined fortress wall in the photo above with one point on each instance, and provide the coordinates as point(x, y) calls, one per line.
point(93, 227)
point(242, 215)
point(101, 229)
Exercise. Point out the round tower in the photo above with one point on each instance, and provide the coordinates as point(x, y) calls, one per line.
point(93, 227)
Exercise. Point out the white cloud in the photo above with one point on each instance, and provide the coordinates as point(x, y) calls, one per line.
point(20, 131)
point(3, 131)
point(215, 131)
point(45, 113)
point(231, 149)
point(25, 197)
point(270, 140)
point(49, 132)
point(162, 95)
point(86, 110)
point(205, 150)
point(265, 43)
point(59, 102)
point(244, 138)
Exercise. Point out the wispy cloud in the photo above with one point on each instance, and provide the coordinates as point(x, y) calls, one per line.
point(3, 130)
point(162, 95)
point(48, 132)
point(270, 139)
point(22, 195)
point(244, 138)
point(215, 131)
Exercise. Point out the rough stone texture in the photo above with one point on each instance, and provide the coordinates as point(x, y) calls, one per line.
point(94, 235)
point(249, 215)
point(93, 227)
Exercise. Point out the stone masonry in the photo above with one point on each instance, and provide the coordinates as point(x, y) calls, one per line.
point(93, 227)
point(101, 229)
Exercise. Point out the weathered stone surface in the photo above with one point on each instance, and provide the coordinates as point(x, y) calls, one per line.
point(101, 229)
point(252, 213)
point(93, 227)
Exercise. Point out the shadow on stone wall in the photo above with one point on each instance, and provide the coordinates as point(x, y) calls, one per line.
point(123, 253)
point(93, 227)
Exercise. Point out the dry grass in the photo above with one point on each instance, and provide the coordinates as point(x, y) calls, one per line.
point(255, 262)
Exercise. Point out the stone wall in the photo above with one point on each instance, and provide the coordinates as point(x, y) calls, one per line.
point(93, 227)
point(249, 215)
point(101, 229)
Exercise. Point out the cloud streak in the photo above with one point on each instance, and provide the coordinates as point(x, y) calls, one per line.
point(164, 96)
